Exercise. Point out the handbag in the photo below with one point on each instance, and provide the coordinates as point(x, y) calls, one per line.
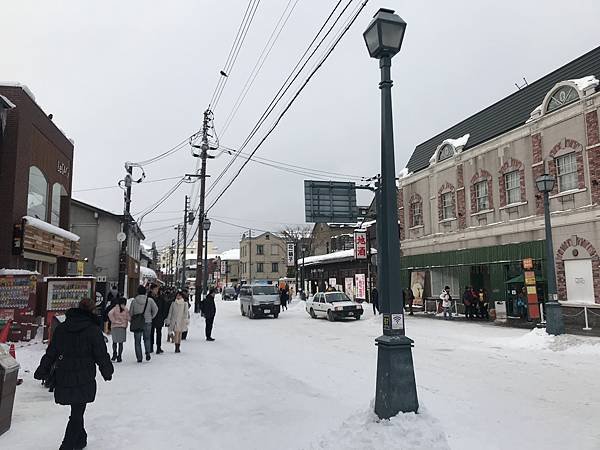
point(50, 381)
point(138, 321)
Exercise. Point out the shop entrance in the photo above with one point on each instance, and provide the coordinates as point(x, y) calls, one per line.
point(480, 277)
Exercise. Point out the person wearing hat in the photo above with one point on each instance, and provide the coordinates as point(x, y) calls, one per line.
point(178, 319)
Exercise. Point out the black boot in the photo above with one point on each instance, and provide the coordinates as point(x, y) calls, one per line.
point(119, 359)
point(177, 350)
point(114, 356)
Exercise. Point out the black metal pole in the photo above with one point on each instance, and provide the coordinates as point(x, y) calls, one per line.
point(396, 389)
point(554, 320)
point(205, 265)
point(126, 219)
point(185, 221)
point(177, 255)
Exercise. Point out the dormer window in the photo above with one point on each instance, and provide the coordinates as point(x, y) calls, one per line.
point(446, 152)
point(561, 97)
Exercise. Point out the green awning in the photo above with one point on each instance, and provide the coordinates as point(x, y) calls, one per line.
point(521, 279)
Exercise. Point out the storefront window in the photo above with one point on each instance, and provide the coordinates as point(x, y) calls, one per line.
point(57, 192)
point(37, 194)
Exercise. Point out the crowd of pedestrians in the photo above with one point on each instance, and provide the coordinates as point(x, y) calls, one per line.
point(78, 344)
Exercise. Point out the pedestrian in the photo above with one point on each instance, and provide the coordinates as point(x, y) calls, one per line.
point(410, 297)
point(178, 319)
point(483, 304)
point(159, 320)
point(145, 309)
point(522, 303)
point(119, 318)
point(186, 298)
point(77, 346)
point(283, 298)
point(209, 310)
point(467, 300)
point(446, 303)
point(375, 300)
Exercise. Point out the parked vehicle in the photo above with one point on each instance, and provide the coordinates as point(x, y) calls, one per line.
point(333, 305)
point(229, 294)
point(259, 300)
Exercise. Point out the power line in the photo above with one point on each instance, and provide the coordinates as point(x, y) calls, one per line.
point(321, 62)
point(286, 84)
point(259, 63)
point(116, 186)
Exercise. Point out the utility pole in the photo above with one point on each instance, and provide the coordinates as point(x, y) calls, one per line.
point(185, 221)
point(126, 220)
point(250, 256)
point(176, 277)
point(171, 259)
point(204, 155)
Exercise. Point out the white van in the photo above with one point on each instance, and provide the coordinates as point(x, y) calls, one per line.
point(259, 300)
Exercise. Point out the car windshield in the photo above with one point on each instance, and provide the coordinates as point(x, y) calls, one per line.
point(334, 297)
point(229, 291)
point(264, 290)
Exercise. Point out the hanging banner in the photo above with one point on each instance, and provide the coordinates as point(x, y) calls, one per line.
point(360, 244)
point(291, 254)
point(349, 287)
point(361, 286)
point(417, 284)
point(223, 266)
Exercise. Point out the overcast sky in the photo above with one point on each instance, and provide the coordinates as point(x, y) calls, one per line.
point(128, 80)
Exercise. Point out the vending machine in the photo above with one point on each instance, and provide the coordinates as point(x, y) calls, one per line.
point(18, 302)
point(63, 293)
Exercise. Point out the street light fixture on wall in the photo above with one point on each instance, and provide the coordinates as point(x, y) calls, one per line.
point(554, 320)
point(396, 389)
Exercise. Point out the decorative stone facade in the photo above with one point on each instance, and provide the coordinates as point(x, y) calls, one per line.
point(579, 244)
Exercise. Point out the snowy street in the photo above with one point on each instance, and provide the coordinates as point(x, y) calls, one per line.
point(291, 382)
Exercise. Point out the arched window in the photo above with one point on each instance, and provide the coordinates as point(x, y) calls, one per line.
point(561, 97)
point(445, 152)
point(57, 192)
point(37, 194)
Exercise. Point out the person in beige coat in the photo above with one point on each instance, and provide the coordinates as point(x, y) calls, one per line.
point(178, 319)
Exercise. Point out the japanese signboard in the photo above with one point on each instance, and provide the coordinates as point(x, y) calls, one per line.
point(349, 287)
point(291, 254)
point(361, 286)
point(530, 278)
point(528, 263)
point(360, 244)
point(223, 266)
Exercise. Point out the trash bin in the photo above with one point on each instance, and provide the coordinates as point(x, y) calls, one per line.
point(9, 369)
point(500, 311)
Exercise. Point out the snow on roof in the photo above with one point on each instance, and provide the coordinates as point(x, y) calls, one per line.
point(19, 85)
point(460, 142)
point(17, 272)
point(231, 255)
point(585, 82)
point(367, 224)
point(342, 225)
point(8, 103)
point(329, 257)
point(45, 226)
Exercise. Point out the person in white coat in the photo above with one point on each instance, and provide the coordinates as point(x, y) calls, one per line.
point(446, 302)
point(178, 319)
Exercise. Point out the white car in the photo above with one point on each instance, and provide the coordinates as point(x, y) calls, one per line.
point(333, 305)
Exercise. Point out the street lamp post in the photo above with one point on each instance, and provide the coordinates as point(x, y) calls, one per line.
point(205, 227)
point(554, 320)
point(396, 389)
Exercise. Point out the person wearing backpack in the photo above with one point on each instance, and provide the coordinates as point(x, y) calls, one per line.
point(76, 348)
point(142, 310)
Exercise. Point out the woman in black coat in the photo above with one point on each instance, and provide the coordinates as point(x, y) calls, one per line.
point(209, 310)
point(77, 346)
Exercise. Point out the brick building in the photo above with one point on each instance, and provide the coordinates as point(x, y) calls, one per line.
point(36, 161)
point(469, 208)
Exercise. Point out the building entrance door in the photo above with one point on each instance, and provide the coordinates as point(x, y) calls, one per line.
point(580, 280)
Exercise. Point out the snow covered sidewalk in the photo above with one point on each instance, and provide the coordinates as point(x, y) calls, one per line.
point(299, 383)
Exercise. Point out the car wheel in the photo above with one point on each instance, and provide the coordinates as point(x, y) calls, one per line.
point(330, 316)
point(312, 314)
point(242, 310)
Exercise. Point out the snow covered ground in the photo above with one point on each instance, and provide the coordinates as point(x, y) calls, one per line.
point(298, 383)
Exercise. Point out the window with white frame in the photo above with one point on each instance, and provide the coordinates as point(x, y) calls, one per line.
point(566, 167)
point(416, 213)
point(512, 183)
point(481, 195)
point(447, 205)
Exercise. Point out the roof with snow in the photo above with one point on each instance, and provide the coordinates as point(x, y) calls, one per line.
point(508, 113)
point(231, 255)
point(49, 228)
point(343, 255)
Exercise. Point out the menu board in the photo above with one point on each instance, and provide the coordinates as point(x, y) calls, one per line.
point(15, 290)
point(67, 293)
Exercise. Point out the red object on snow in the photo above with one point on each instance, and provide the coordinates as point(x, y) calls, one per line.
point(4, 332)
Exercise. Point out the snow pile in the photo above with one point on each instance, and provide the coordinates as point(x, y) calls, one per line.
point(538, 339)
point(585, 83)
point(17, 272)
point(364, 431)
